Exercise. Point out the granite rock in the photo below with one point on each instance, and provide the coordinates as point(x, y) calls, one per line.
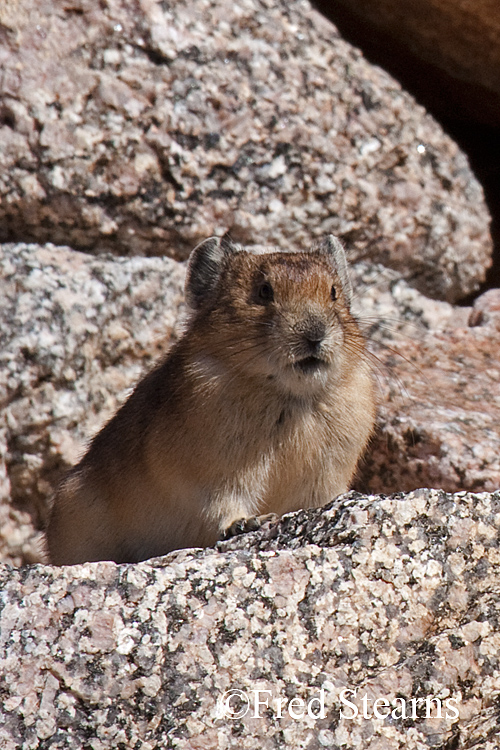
point(143, 128)
point(486, 309)
point(392, 599)
point(76, 334)
point(439, 413)
point(438, 375)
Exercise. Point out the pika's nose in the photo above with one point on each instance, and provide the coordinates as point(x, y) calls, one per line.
point(314, 332)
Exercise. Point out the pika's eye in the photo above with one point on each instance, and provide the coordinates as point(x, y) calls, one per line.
point(265, 293)
point(333, 293)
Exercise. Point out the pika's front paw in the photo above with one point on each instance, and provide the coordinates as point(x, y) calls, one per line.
point(243, 525)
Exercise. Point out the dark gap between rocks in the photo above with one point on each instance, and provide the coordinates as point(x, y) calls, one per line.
point(454, 104)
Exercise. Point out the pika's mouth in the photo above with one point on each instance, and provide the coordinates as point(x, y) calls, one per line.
point(310, 365)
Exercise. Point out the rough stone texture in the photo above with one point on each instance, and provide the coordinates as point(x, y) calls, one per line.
point(439, 414)
point(394, 597)
point(439, 388)
point(455, 43)
point(486, 309)
point(145, 127)
point(76, 333)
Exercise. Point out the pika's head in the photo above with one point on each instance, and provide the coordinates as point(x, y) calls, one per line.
point(281, 316)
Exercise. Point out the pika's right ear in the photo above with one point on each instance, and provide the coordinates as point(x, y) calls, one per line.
point(204, 271)
point(333, 248)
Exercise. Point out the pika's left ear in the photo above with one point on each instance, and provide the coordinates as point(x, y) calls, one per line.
point(333, 248)
point(204, 271)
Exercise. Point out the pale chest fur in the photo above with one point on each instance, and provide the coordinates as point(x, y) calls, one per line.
point(276, 453)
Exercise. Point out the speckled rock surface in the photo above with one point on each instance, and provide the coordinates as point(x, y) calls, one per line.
point(439, 414)
point(391, 599)
point(76, 333)
point(486, 309)
point(145, 127)
point(438, 374)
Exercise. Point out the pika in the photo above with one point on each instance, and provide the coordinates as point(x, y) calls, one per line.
point(264, 405)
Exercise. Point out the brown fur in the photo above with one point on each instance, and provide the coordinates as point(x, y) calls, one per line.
point(229, 425)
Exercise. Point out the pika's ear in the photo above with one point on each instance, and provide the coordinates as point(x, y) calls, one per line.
point(333, 247)
point(204, 270)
